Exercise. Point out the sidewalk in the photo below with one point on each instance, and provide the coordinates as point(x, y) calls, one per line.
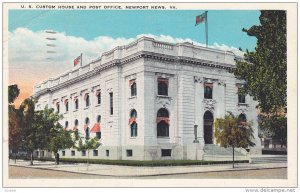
point(136, 171)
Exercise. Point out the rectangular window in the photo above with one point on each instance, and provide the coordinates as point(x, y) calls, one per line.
point(132, 87)
point(98, 135)
point(37, 153)
point(107, 153)
point(208, 90)
point(95, 152)
point(162, 86)
point(63, 153)
point(111, 103)
point(72, 153)
point(99, 98)
point(166, 152)
point(42, 153)
point(76, 104)
point(67, 106)
point(83, 153)
point(129, 152)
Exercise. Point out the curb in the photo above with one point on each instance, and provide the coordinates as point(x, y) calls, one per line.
point(163, 174)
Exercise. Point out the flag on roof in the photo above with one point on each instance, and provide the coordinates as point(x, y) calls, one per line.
point(77, 60)
point(200, 18)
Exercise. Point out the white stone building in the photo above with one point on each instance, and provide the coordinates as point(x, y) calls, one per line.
point(150, 100)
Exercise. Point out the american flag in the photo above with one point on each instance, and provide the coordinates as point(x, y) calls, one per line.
point(77, 60)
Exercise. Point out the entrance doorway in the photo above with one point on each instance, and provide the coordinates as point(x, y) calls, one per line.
point(208, 120)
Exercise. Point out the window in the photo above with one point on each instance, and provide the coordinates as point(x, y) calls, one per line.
point(242, 118)
point(87, 100)
point(83, 153)
point(76, 122)
point(67, 105)
point(98, 94)
point(133, 88)
point(166, 152)
point(42, 153)
point(57, 107)
point(129, 152)
point(107, 153)
point(133, 129)
point(208, 90)
point(87, 129)
point(162, 121)
point(132, 123)
point(242, 97)
point(72, 153)
point(98, 118)
point(95, 152)
point(111, 103)
point(76, 103)
point(66, 124)
point(98, 135)
point(162, 85)
point(63, 153)
point(37, 153)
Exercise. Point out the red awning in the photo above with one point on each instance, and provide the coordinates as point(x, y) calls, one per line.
point(164, 80)
point(75, 128)
point(165, 119)
point(85, 96)
point(85, 127)
point(97, 92)
point(75, 98)
point(131, 120)
point(210, 85)
point(131, 82)
point(65, 102)
point(96, 128)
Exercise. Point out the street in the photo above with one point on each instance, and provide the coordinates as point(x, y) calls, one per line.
point(16, 172)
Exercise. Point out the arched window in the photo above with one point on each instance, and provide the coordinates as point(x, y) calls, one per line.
point(66, 124)
point(57, 107)
point(133, 89)
point(162, 121)
point(76, 122)
point(242, 118)
point(87, 121)
point(133, 129)
point(98, 118)
point(86, 127)
point(132, 123)
point(162, 85)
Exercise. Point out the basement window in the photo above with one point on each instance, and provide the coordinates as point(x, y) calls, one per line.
point(166, 152)
point(129, 152)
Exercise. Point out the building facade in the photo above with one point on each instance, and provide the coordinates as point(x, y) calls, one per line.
point(149, 100)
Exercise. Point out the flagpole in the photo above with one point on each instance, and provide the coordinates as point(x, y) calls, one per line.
point(81, 59)
point(206, 28)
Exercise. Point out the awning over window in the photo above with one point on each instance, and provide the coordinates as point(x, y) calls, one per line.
point(97, 92)
point(96, 128)
point(75, 98)
point(131, 82)
point(163, 80)
point(85, 127)
point(65, 102)
point(210, 85)
point(85, 96)
point(165, 119)
point(75, 128)
point(131, 120)
point(57, 104)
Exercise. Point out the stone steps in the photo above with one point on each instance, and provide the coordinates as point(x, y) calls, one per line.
point(211, 149)
point(268, 159)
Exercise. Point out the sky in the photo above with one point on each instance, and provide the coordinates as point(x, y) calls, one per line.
point(92, 32)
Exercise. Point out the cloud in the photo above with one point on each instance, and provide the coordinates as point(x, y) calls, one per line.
point(30, 61)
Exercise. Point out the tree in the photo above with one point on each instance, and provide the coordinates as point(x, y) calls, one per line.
point(87, 145)
point(60, 139)
point(265, 68)
point(13, 93)
point(234, 133)
point(274, 126)
point(14, 121)
point(26, 115)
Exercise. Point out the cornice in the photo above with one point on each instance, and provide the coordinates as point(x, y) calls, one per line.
point(134, 57)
